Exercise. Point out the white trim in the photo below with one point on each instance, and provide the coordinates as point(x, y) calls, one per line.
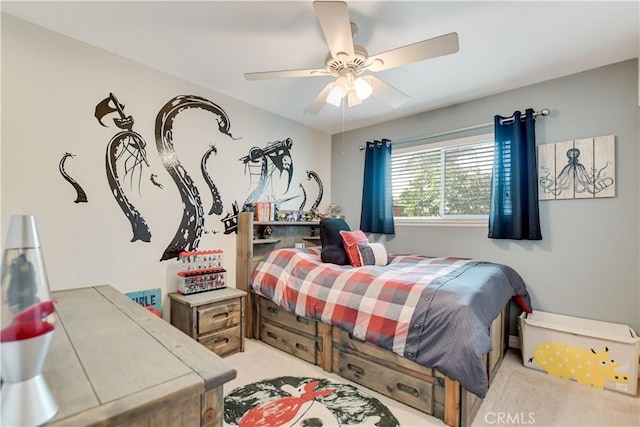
point(430, 145)
point(418, 146)
point(514, 341)
point(437, 222)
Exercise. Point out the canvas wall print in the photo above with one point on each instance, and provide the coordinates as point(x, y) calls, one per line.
point(579, 169)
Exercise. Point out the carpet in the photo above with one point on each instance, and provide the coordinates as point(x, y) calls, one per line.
point(304, 402)
point(519, 396)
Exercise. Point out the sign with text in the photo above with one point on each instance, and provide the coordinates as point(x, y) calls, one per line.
point(148, 298)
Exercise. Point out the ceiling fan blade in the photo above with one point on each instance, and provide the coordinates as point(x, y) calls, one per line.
point(431, 48)
point(336, 26)
point(285, 73)
point(386, 92)
point(320, 100)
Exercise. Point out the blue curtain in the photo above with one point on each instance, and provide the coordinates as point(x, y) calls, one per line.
point(513, 210)
point(377, 203)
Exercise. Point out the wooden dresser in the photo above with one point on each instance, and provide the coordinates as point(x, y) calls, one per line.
point(114, 363)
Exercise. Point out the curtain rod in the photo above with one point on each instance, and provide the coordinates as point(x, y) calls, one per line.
point(543, 112)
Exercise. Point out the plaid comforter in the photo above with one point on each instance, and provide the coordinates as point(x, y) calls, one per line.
point(434, 311)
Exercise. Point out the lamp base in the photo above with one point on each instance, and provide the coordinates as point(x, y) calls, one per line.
point(26, 398)
point(27, 403)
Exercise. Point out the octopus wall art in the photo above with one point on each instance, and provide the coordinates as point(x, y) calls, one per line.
point(191, 226)
point(577, 169)
point(125, 153)
point(314, 207)
point(81, 195)
point(270, 170)
point(262, 163)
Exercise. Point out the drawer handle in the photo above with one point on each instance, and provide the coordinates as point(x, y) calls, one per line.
point(215, 316)
point(222, 339)
point(302, 347)
point(356, 369)
point(272, 310)
point(302, 320)
point(408, 389)
point(272, 335)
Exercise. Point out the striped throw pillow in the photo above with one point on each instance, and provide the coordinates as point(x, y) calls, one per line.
point(373, 253)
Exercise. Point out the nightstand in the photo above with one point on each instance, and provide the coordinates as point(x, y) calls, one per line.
point(214, 318)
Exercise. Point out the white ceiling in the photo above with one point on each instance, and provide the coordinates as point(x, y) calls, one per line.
point(503, 45)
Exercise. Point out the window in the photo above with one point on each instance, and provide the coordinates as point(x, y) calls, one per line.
point(443, 181)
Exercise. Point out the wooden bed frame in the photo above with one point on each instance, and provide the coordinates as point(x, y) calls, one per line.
point(390, 374)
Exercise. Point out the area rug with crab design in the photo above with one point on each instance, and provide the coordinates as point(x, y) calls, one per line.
point(303, 402)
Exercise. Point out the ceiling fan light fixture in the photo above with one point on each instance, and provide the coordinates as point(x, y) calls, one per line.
point(353, 99)
point(336, 94)
point(363, 88)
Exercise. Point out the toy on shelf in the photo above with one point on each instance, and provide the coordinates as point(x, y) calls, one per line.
point(201, 271)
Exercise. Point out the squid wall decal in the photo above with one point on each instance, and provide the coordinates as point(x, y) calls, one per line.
point(316, 178)
point(230, 220)
point(275, 156)
point(127, 147)
point(191, 226)
point(216, 205)
point(81, 196)
point(153, 179)
point(304, 198)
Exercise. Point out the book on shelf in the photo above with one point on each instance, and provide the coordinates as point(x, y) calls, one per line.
point(264, 211)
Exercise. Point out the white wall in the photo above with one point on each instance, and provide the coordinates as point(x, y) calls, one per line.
point(50, 87)
point(587, 264)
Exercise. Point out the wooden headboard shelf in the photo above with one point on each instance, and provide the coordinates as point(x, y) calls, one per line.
point(252, 245)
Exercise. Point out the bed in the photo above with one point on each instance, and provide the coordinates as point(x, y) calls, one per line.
point(429, 332)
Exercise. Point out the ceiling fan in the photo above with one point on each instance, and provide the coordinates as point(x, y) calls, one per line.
point(348, 61)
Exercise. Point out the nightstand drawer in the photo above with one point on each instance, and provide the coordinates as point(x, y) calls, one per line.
point(213, 318)
point(218, 316)
point(223, 342)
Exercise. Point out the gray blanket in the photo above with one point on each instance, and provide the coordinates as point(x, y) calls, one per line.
point(456, 301)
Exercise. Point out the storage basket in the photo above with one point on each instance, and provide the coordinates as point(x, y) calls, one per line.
point(594, 353)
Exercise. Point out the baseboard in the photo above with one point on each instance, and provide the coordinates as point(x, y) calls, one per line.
point(514, 341)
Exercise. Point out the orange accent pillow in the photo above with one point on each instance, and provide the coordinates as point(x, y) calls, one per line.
point(350, 240)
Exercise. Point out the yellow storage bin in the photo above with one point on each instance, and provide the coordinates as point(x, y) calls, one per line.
point(594, 353)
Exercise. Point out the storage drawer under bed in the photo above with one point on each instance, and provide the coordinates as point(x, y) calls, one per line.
point(303, 346)
point(405, 388)
point(273, 313)
point(388, 373)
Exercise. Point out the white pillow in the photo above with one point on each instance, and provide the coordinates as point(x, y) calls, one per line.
point(373, 253)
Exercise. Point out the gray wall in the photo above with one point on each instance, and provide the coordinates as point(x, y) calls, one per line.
point(587, 264)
